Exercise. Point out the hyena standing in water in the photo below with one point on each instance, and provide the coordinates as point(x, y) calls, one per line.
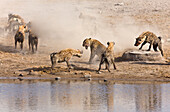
point(108, 57)
point(64, 56)
point(152, 39)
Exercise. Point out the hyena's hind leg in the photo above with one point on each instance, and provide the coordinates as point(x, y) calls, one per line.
point(114, 66)
point(100, 58)
point(108, 65)
point(160, 48)
point(155, 47)
point(101, 62)
point(68, 63)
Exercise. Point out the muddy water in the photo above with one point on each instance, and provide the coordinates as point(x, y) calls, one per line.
point(71, 96)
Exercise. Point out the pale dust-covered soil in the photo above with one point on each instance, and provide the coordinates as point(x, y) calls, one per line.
point(144, 12)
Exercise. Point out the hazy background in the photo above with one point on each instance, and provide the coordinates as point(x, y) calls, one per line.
point(62, 24)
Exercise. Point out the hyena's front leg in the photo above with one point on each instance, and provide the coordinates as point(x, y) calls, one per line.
point(142, 45)
point(53, 64)
point(92, 56)
point(53, 60)
point(36, 46)
point(15, 43)
point(29, 43)
point(32, 47)
point(21, 45)
point(101, 62)
point(68, 65)
point(155, 47)
point(151, 43)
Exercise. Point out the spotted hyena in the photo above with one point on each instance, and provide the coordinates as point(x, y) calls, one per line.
point(64, 56)
point(152, 39)
point(108, 57)
point(20, 35)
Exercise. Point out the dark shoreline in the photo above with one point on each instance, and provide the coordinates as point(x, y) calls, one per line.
point(106, 80)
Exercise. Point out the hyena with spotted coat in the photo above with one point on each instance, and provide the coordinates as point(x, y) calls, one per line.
point(64, 56)
point(108, 57)
point(32, 40)
point(15, 17)
point(20, 35)
point(14, 21)
point(96, 47)
point(152, 39)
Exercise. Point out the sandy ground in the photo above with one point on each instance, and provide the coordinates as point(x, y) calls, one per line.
point(153, 13)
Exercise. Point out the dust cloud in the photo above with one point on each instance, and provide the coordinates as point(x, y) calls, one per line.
point(62, 24)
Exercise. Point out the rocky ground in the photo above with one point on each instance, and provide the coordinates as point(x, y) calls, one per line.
point(16, 63)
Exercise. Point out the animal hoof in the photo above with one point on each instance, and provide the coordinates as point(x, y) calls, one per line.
point(89, 79)
point(57, 78)
point(99, 72)
point(87, 76)
point(20, 75)
point(105, 80)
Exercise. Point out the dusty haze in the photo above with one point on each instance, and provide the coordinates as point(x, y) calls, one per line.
point(62, 24)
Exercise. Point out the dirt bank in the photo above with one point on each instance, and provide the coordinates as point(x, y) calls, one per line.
point(16, 63)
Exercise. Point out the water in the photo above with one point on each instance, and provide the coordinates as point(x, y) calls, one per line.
point(76, 96)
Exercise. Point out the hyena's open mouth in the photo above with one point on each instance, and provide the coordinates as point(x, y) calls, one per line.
point(136, 44)
point(86, 46)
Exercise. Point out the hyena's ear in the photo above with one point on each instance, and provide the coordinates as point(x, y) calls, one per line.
point(137, 38)
point(10, 14)
point(108, 43)
point(159, 38)
point(89, 38)
point(145, 37)
point(114, 43)
point(54, 53)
